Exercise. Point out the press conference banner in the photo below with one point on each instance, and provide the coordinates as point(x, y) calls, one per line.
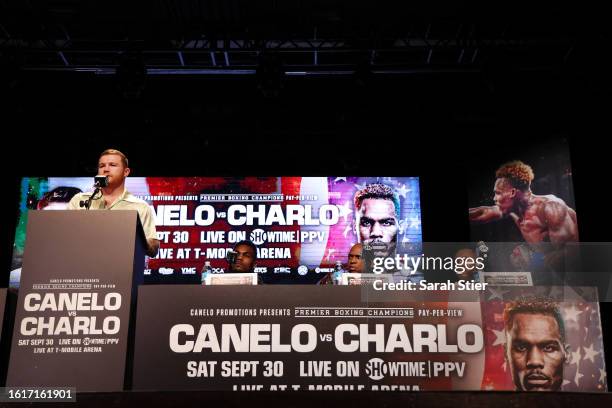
point(288, 338)
point(301, 225)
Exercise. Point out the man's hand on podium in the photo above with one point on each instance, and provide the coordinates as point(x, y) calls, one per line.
point(152, 247)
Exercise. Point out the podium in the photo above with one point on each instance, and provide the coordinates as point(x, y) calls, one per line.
point(77, 294)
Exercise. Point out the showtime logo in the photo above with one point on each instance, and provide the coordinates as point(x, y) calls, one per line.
point(258, 236)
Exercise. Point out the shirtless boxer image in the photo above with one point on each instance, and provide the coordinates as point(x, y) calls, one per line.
point(542, 219)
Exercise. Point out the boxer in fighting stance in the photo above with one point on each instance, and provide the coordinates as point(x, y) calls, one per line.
point(540, 218)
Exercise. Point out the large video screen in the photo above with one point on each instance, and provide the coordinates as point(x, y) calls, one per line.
point(301, 226)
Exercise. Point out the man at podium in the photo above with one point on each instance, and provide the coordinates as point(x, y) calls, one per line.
point(114, 165)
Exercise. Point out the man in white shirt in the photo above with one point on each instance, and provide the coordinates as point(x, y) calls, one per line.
point(114, 165)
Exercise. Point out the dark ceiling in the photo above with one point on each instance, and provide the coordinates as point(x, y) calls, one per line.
point(316, 37)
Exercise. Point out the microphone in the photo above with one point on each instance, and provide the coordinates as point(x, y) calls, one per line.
point(101, 181)
point(231, 256)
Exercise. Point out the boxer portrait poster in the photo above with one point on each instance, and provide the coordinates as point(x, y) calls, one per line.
point(522, 198)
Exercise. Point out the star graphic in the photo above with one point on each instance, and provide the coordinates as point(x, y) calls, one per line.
point(346, 230)
point(330, 252)
point(340, 179)
point(499, 294)
point(575, 359)
point(402, 190)
point(590, 353)
point(572, 313)
point(577, 377)
point(500, 337)
point(345, 210)
point(415, 222)
point(602, 375)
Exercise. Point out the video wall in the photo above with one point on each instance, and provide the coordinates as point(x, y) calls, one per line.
point(301, 226)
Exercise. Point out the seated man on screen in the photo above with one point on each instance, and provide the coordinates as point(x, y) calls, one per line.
point(245, 258)
point(468, 271)
point(114, 165)
point(356, 262)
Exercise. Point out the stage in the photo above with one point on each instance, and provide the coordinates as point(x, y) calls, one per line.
point(334, 399)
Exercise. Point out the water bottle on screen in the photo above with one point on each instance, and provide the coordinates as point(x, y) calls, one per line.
point(206, 271)
point(338, 271)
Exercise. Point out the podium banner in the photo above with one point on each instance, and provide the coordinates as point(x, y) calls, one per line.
point(287, 338)
point(73, 310)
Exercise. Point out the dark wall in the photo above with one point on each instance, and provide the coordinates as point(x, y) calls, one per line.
point(435, 126)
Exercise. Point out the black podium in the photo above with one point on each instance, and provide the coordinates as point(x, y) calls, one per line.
point(77, 295)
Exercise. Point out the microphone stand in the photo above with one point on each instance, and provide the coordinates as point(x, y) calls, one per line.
point(99, 182)
point(87, 203)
